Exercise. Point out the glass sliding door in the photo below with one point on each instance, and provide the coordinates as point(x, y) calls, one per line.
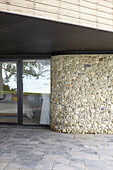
point(36, 92)
point(8, 92)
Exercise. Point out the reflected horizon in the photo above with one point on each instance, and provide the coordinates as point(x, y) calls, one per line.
point(36, 91)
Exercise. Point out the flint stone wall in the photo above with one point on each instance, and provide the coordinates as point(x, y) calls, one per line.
point(82, 93)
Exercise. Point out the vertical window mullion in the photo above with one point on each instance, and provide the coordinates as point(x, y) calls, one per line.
point(20, 91)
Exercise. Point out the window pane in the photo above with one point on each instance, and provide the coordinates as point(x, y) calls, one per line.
point(36, 91)
point(8, 92)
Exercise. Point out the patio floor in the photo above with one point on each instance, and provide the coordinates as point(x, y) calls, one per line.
point(28, 148)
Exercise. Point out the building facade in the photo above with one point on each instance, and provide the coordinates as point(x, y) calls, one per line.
point(89, 13)
point(75, 39)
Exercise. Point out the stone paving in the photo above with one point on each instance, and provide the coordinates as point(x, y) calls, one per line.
point(32, 148)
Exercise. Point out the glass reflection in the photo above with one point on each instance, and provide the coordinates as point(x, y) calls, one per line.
point(8, 92)
point(36, 92)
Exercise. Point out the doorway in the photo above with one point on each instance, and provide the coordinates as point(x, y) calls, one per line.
point(25, 92)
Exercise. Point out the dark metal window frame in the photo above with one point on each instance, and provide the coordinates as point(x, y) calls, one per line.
point(19, 60)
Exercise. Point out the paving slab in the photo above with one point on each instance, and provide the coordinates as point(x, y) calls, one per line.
point(42, 149)
point(99, 165)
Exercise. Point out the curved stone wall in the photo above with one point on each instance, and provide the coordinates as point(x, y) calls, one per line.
point(82, 93)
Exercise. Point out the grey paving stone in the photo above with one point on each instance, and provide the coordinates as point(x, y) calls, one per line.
point(8, 156)
point(84, 156)
point(3, 165)
point(99, 165)
point(64, 167)
point(77, 162)
point(110, 143)
point(11, 168)
point(105, 152)
point(42, 149)
point(58, 159)
point(26, 164)
point(44, 166)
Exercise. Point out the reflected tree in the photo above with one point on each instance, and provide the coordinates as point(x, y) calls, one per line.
point(35, 69)
point(30, 69)
point(8, 70)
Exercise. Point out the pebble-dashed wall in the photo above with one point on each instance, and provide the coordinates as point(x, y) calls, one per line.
point(82, 93)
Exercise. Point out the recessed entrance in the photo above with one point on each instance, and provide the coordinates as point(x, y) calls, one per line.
point(25, 92)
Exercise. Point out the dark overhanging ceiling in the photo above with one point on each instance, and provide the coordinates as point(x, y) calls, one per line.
point(21, 35)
